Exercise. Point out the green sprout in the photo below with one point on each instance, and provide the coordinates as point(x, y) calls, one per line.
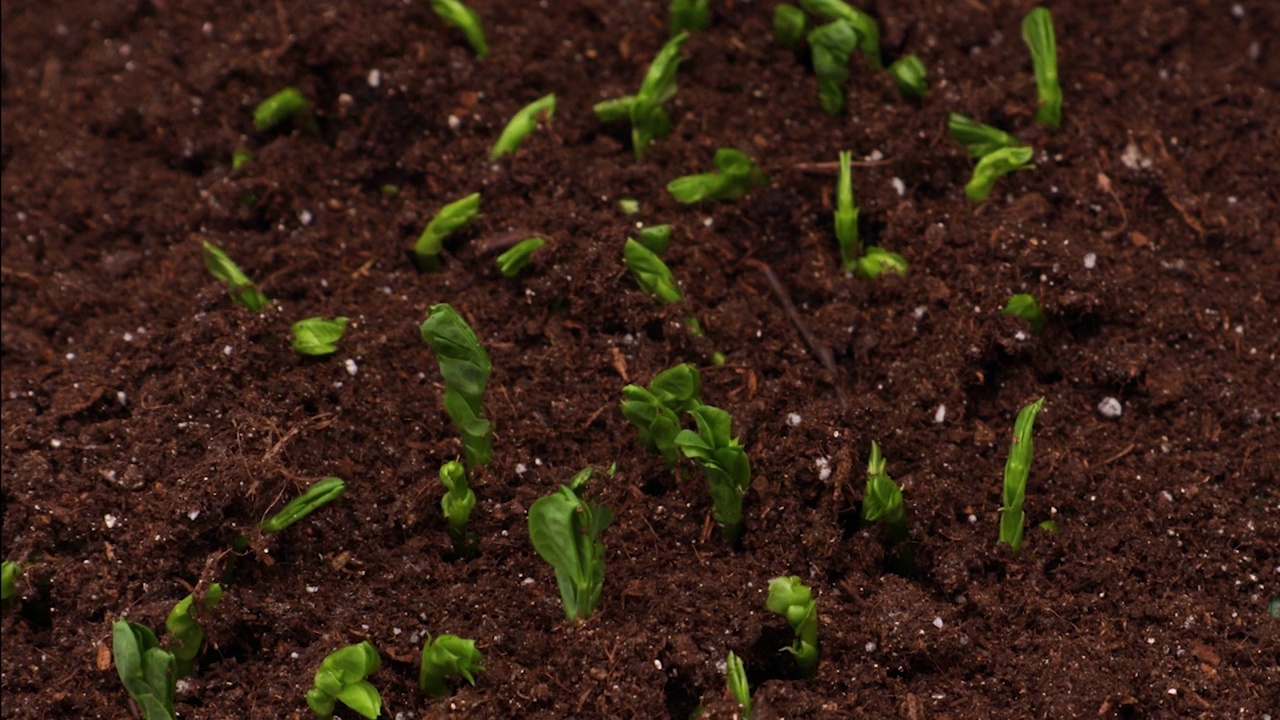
point(864, 24)
point(651, 273)
point(724, 463)
point(511, 262)
point(388, 190)
point(909, 74)
point(656, 238)
point(1024, 305)
point(1016, 470)
point(187, 631)
point(846, 215)
point(341, 678)
point(789, 597)
point(994, 166)
point(242, 290)
point(451, 218)
point(446, 656)
point(831, 45)
point(240, 158)
point(465, 19)
point(735, 175)
point(689, 15)
point(980, 140)
point(628, 205)
point(318, 336)
point(1037, 33)
point(147, 670)
point(789, 25)
point(649, 119)
point(320, 493)
point(9, 571)
point(565, 530)
point(279, 109)
point(876, 260)
point(525, 121)
point(654, 410)
point(736, 680)
point(883, 498)
point(457, 503)
point(465, 366)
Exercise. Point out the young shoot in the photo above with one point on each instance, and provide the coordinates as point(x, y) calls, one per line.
point(883, 498)
point(723, 461)
point(457, 503)
point(315, 497)
point(240, 158)
point(645, 109)
point(689, 15)
point(866, 27)
point(187, 631)
point(447, 656)
point(656, 238)
point(317, 335)
point(341, 679)
point(465, 366)
point(789, 25)
point(465, 19)
point(147, 670)
point(511, 262)
point(524, 122)
point(654, 411)
point(1016, 470)
point(1037, 33)
point(790, 598)
point(628, 206)
point(9, 571)
point(876, 261)
point(280, 109)
point(651, 273)
point(909, 74)
point(451, 218)
point(830, 46)
point(242, 290)
point(846, 215)
point(735, 676)
point(980, 140)
point(1024, 305)
point(565, 530)
point(734, 176)
point(994, 166)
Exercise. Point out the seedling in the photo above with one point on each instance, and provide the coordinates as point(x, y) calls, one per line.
point(9, 571)
point(649, 119)
point(864, 24)
point(789, 25)
point(736, 681)
point(511, 262)
point(240, 158)
point(341, 678)
point(628, 205)
point(521, 124)
point(876, 260)
point(280, 109)
point(457, 503)
point(465, 19)
point(187, 631)
point(446, 656)
point(909, 74)
point(451, 218)
point(724, 463)
point(980, 140)
point(147, 670)
point(994, 166)
point(1016, 470)
point(789, 597)
point(565, 530)
point(1024, 305)
point(315, 497)
point(656, 238)
point(830, 46)
point(654, 410)
point(846, 215)
point(735, 175)
point(318, 336)
point(689, 15)
point(1037, 33)
point(465, 366)
point(242, 290)
point(651, 273)
point(883, 498)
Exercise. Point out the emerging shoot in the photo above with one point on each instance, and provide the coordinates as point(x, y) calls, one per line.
point(451, 218)
point(909, 74)
point(689, 15)
point(9, 571)
point(1024, 305)
point(465, 19)
point(790, 598)
point(511, 262)
point(447, 656)
point(789, 25)
point(877, 260)
point(525, 121)
point(654, 411)
point(318, 336)
point(831, 45)
point(735, 677)
point(147, 670)
point(341, 678)
point(864, 24)
point(995, 166)
point(187, 631)
point(565, 530)
point(980, 140)
point(649, 119)
point(656, 238)
point(1016, 470)
point(628, 206)
point(457, 503)
point(242, 290)
point(735, 175)
point(465, 366)
point(280, 109)
point(846, 215)
point(651, 273)
point(883, 498)
point(315, 497)
point(1037, 33)
point(724, 463)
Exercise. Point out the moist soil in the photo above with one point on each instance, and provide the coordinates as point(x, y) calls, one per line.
point(148, 422)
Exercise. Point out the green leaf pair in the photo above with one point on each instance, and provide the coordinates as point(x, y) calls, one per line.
point(650, 272)
point(341, 678)
point(465, 19)
point(831, 45)
point(790, 598)
point(315, 497)
point(524, 122)
point(189, 634)
point(994, 166)
point(646, 109)
point(317, 335)
point(242, 290)
point(655, 410)
point(457, 503)
point(736, 681)
point(149, 672)
point(451, 218)
point(865, 26)
point(909, 75)
point(883, 498)
point(980, 140)
point(447, 656)
point(465, 366)
point(735, 175)
point(565, 530)
point(724, 463)
point(1016, 471)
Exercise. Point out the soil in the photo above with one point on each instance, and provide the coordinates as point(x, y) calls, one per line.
point(148, 421)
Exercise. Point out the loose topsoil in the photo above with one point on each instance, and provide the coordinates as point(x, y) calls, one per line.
point(148, 421)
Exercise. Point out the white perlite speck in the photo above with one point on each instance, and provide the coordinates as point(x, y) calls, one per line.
point(1090, 261)
point(899, 186)
point(375, 78)
point(351, 366)
point(110, 521)
point(1110, 407)
point(937, 622)
point(305, 217)
point(793, 419)
point(824, 467)
point(940, 415)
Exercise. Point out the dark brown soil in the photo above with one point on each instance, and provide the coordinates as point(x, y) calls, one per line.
point(147, 421)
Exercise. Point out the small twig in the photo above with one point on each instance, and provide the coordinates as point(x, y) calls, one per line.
point(820, 351)
point(1128, 449)
point(831, 168)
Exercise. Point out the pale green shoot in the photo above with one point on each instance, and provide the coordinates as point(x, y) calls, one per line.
point(1016, 471)
point(465, 19)
point(524, 122)
point(1037, 33)
point(994, 166)
point(451, 218)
